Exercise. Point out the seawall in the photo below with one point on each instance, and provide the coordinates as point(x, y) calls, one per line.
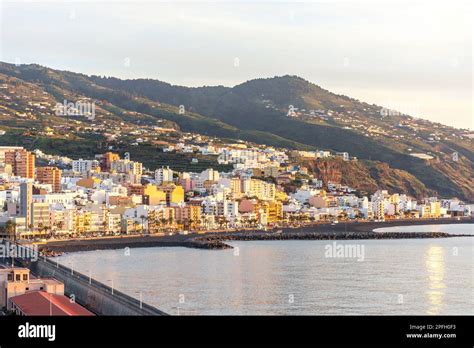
point(90, 293)
point(214, 240)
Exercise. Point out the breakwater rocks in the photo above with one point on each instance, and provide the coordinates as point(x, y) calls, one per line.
point(217, 241)
point(207, 243)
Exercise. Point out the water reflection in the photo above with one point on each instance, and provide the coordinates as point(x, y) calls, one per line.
point(292, 278)
point(435, 267)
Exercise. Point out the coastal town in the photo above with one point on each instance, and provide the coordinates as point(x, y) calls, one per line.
point(111, 195)
point(228, 170)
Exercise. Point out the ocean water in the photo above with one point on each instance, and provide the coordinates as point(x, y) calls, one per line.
point(387, 277)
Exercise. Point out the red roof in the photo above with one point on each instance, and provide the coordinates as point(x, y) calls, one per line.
point(42, 303)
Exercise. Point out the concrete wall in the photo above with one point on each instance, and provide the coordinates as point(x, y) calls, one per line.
point(93, 295)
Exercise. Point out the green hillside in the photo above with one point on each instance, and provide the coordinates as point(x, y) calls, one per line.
point(257, 111)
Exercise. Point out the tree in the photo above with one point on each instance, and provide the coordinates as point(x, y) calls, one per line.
point(104, 226)
point(143, 218)
point(135, 226)
point(10, 227)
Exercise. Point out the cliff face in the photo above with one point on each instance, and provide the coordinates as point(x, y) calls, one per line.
point(367, 176)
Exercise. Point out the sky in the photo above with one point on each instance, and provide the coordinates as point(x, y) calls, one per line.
point(412, 56)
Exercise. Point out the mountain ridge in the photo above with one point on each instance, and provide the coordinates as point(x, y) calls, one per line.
point(258, 110)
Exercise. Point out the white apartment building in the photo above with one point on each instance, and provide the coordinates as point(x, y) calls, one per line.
point(65, 199)
point(258, 188)
point(84, 166)
point(163, 175)
point(209, 175)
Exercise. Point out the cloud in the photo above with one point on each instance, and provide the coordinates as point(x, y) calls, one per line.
point(345, 46)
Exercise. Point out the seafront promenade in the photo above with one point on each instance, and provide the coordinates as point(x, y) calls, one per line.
point(215, 240)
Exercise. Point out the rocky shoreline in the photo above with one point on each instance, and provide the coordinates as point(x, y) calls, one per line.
point(216, 240)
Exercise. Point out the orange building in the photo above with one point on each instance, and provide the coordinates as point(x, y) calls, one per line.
point(135, 189)
point(51, 176)
point(107, 159)
point(22, 162)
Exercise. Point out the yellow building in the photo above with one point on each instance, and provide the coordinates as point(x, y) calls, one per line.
point(395, 198)
point(82, 221)
point(152, 195)
point(174, 194)
point(236, 187)
point(434, 209)
point(272, 210)
point(281, 196)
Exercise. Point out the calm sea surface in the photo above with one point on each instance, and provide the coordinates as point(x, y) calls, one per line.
point(412, 276)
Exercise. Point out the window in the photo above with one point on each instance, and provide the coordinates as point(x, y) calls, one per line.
point(17, 277)
point(10, 277)
point(25, 276)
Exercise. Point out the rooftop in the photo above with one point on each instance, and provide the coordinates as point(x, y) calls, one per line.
point(37, 303)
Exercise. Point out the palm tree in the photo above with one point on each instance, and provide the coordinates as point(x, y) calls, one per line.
point(135, 226)
point(86, 227)
point(60, 225)
point(163, 222)
point(30, 229)
point(221, 222)
point(104, 226)
point(48, 231)
point(10, 227)
point(143, 218)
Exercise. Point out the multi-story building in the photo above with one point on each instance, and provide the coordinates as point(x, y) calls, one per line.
point(62, 220)
point(85, 166)
point(82, 221)
point(174, 194)
point(378, 209)
point(26, 199)
point(259, 189)
point(163, 175)
point(40, 218)
point(50, 176)
point(209, 175)
point(21, 161)
point(152, 195)
point(189, 216)
point(131, 168)
point(107, 159)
